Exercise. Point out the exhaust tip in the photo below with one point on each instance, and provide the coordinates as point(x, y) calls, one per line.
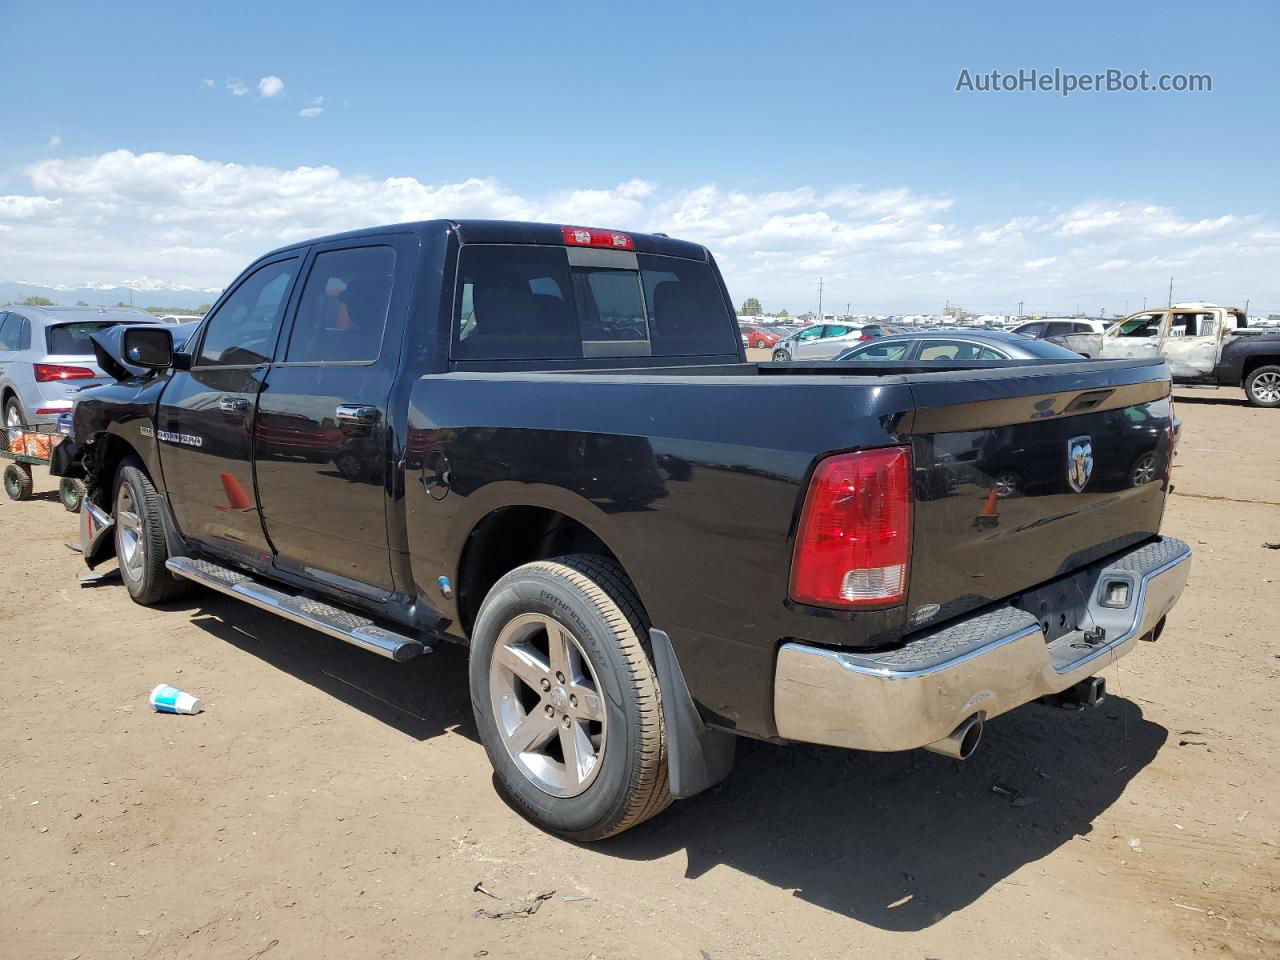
point(960, 743)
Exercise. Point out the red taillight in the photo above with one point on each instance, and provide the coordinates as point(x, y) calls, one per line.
point(47, 372)
point(853, 548)
point(590, 237)
point(865, 336)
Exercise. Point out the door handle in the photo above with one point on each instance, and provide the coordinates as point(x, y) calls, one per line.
point(234, 405)
point(357, 414)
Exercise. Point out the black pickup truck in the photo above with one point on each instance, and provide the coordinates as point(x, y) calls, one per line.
point(545, 442)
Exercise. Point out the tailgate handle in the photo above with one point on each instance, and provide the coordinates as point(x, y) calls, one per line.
point(1087, 401)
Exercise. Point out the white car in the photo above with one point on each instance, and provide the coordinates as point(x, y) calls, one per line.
point(824, 341)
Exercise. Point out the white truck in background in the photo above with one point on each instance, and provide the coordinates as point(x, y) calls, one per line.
point(1203, 343)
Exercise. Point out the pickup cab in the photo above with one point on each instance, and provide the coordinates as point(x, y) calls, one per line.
point(527, 439)
point(1203, 343)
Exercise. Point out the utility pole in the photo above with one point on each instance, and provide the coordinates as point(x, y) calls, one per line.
point(819, 299)
point(1144, 303)
point(1171, 291)
point(848, 310)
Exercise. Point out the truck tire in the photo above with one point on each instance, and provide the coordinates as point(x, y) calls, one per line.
point(140, 544)
point(559, 672)
point(1262, 386)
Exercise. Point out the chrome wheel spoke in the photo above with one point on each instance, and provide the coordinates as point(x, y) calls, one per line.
point(587, 705)
point(522, 662)
point(579, 754)
point(559, 653)
point(534, 731)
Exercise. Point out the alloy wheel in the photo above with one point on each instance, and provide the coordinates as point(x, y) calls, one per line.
point(1144, 471)
point(132, 539)
point(547, 704)
point(1266, 387)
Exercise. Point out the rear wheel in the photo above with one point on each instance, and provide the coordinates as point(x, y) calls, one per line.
point(1262, 386)
point(140, 544)
point(759, 344)
point(17, 481)
point(566, 700)
point(12, 421)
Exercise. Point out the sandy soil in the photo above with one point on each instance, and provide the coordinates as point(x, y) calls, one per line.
point(332, 804)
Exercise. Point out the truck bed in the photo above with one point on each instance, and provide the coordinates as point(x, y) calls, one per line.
point(693, 476)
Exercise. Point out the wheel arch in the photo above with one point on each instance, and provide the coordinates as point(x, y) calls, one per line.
point(512, 534)
point(1253, 361)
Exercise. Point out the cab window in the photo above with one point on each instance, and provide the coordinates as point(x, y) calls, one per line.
point(1191, 325)
point(243, 330)
point(1143, 325)
point(343, 308)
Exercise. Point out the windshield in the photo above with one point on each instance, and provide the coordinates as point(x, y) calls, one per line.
point(539, 303)
point(72, 339)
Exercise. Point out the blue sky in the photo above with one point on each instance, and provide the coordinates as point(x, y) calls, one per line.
point(546, 100)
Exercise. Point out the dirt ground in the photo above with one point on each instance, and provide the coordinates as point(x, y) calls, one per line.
point(332, 804)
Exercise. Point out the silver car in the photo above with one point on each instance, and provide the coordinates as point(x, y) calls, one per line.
point(46, 357)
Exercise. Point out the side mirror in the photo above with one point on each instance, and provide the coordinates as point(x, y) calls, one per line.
point(150, 347)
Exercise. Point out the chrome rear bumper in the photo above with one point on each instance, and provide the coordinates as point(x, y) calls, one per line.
point(986, 664)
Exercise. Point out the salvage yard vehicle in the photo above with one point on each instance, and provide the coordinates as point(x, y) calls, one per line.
point(554, 469)
point(46, 357)
point(933, 345)
point(1203, 343)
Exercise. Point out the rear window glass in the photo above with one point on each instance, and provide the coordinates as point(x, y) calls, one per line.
point(528, 303)
point(343, 309)
point(72, 339)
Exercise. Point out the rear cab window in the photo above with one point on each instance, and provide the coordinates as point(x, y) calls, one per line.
point(528, 302)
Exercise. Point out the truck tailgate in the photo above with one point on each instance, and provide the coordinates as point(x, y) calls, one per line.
point(1046, 473)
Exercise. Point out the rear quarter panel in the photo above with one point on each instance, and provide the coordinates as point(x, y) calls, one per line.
point(697, 502)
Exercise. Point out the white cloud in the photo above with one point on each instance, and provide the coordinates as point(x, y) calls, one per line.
point(316, 108)
point(237, 87)
point(206, 83)
point(55, 141)
point(196, 222)
point(271, 86)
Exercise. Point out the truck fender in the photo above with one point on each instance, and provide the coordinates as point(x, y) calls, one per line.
point(698, 756)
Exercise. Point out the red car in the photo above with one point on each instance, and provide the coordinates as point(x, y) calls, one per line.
point(760, 337)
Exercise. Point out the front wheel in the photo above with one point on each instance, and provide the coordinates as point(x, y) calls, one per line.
point(566, 700)
point(781, 356)
point(140, 544)
point(1262, 386)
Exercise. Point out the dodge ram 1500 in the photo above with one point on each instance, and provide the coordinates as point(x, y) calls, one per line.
point(528, 439)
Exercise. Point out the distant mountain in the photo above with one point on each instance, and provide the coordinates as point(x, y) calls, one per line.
point(143, 292)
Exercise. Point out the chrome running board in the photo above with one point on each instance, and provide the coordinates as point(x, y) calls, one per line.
point(355, 629)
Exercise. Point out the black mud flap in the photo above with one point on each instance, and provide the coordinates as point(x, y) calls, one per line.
point(698, 756)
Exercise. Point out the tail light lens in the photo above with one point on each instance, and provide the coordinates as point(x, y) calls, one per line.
point(49, 372)
point(853, 548)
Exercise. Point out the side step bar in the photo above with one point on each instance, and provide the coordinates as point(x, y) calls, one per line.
point(334, 621)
